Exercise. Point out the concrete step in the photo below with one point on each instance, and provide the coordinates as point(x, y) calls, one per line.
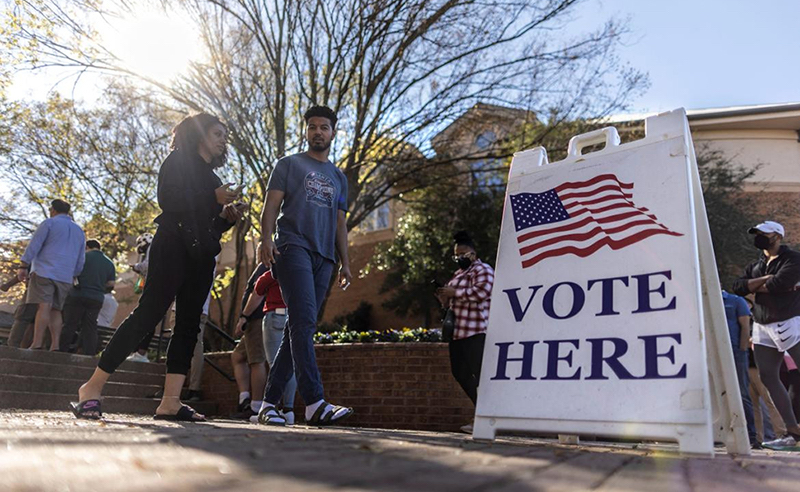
point(110, 404)
point(75, 360)
point(27, 384)
point(35, 369)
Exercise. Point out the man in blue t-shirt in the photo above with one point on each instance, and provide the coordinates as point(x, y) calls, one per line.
point(307, 197)
point(737, 315)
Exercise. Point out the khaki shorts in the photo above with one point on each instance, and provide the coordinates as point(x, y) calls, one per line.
point(252, 343)
point(45, 291)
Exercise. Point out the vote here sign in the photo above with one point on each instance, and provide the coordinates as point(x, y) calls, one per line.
point(596, 321)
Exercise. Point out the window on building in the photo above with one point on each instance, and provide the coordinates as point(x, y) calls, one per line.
point(485, 139)
point(377, 220)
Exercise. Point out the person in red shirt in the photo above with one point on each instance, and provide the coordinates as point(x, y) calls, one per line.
point(274, 328)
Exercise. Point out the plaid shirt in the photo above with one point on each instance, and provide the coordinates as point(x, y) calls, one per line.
point(471, 303)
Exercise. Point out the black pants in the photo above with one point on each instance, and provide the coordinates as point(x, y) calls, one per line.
point(172, 275)
point(466, 357)
point(80, 315)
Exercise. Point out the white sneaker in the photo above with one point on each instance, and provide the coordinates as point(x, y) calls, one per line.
point(288, 417)
point(466, 429)
point(137, 357)
point(786, 441)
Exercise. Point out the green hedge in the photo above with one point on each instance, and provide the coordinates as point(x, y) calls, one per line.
point(372, 336)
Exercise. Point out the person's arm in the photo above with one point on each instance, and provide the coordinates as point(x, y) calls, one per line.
point(252, 304)
point(345, 276)
point(787, 276)
point(37, 241)
point(269, 218)
point(744, 332)
point(758, 285)
point(276, 191)
point(111, 278)
point(746, 284)
point(81, 259)
point(481, 288)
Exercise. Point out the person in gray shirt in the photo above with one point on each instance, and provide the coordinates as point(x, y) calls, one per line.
point(307, 198)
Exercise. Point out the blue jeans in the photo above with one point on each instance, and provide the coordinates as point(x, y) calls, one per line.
point(273, 326)
point(740, 361)
point(303, 276)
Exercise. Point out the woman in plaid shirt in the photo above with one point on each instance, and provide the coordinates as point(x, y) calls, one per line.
point(468, 294)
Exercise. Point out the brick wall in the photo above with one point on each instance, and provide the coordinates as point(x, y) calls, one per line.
point(390, 385)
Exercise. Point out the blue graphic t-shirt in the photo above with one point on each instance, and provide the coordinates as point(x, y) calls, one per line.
point(314, 193)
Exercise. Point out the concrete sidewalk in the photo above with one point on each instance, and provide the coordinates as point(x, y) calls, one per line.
point(42, 451)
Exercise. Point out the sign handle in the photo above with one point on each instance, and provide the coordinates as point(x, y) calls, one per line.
point(607, 135)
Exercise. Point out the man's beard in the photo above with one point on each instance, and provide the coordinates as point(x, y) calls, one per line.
point(316, 147)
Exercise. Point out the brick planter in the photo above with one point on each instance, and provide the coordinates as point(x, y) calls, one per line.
point(390, 385)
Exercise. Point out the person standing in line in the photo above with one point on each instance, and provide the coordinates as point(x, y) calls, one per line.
point(55, 258)
point(105, 317)
point(310, 193)
point(196, 210)
point(143, 243)
point(468, 294)
point(24, 315)
point(774, 279)
point(737, 315)
point(85, 300)
point(268, 293)
point(248, 358)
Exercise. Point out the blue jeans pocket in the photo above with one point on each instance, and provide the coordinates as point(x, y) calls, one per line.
point(278, 322)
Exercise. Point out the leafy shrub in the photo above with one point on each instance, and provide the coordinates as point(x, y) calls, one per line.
point(356, 320)
point(371, 336)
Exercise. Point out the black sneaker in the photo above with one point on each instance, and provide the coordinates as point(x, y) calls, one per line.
point(244, 411)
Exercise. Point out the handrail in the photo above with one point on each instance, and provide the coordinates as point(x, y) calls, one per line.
point(221, 333)
point(219, 370)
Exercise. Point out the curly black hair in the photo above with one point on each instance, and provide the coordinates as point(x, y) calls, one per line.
point(187, 134)
point(322, 111)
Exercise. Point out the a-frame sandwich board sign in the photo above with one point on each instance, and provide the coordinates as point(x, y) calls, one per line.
point(606, 313)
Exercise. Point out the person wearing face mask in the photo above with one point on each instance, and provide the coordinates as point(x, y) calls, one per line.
point(774, 278)
point(468, 294)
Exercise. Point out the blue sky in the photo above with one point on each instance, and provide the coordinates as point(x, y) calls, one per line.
point(709, 53)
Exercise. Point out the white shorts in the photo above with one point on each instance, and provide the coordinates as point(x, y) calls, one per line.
point(781, 335)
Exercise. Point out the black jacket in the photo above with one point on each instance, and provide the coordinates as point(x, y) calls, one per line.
point(783, 301)
point(186, 185)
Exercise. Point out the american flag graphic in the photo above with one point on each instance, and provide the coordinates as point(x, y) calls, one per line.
point(579, 218)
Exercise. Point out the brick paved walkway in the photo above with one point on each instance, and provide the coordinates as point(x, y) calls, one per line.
point(54, 452)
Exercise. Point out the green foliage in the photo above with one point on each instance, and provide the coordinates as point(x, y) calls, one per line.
point(420, 254)
point(406, 335)
point(731, 211)
point(356, 320)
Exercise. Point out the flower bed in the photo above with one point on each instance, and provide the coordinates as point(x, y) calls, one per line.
point(405, 335)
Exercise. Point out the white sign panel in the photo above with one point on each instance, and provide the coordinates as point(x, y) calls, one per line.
point(596, 322)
